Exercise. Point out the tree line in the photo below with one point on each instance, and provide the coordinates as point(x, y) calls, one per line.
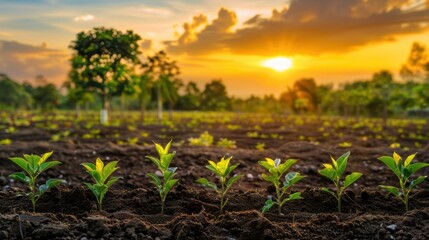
point(109, 72)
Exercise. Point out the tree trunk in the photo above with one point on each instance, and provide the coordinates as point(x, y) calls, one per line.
point(78, 112)
point(159, 102)
point(170, 111)
point(142, 109)
point(104, 116)
point(384, 116)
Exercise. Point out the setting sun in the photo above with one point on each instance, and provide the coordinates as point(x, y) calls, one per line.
point(279, 64)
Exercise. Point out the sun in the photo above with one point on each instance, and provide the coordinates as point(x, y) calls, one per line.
point(280, 64)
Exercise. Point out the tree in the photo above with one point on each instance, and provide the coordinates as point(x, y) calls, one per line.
point(191, 100)
point(77, 96)
point(163, 70)
point(144, 84)
point(417, 66)
point(382, 83)
point(103, 62)
point(45, 95)
point(215, 96)
point(12, 94)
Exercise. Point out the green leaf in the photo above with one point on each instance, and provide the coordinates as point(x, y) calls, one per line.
point(328, 172)
point(292, 178)
point(20, 176)
point(293, 196)
point(167, 147)
point(213, 169)
point(342, 163)
point(265, 164)
point(101, 189)
point(155, 180)
point(390, 189)
point(93, 189)
point(44, 157)
point(32, 162)
point(155, 160)
point(232, 180)
point(112, 181)
point(159, 149)
point(409, 159)
point(46, 165)
point(222, 165)
point(89, 166)
point(231, 168)
point(50, 184)
point(166, 160)
point(417, 181)
point(270, 178)
point(412, 168)
point(268, 204)
point(329, 191)
point(169, 185)
point(277, 162)
point(206, 183)
point(96, 175)
point(285, 166)
point(109, 169)
point(22, 163)
point(351, 178)
point(390, 163)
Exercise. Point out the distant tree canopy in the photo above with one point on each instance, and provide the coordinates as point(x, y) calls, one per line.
point(417, 66)
point(13, 95)
point(215, 97)
point(103, 61)
point(164, 71)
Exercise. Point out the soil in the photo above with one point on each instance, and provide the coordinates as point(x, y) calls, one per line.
point(131, 210)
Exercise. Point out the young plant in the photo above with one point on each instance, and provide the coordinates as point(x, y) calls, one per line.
point(222, 169)
point(101, 174)
point(34, 165)
point(334, 172)
point(403, 170)
point(167, 172)
point(276, 170)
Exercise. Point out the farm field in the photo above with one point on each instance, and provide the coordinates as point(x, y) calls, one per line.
point(131, 210)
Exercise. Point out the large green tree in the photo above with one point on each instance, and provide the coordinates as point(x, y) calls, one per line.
point(102, 62)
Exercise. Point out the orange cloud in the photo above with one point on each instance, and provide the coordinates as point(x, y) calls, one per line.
point(305, 27)
point(25, 62)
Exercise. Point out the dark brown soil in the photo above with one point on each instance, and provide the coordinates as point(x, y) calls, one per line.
point(131, 209)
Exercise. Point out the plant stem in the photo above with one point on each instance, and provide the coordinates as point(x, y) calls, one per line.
point(279, 199)
point(339, 193)
point(163, 197)
point(222, 195)
point(32, 195)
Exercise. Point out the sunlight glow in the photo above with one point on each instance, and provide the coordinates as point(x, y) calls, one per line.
point(280, 64)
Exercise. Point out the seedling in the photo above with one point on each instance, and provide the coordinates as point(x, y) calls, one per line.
point(403, 170)
point(276, 170)
point(101, 174)
point(334, 172)
point(167, 172)
point(34, 165)
point(222, 169)
point(226, 143)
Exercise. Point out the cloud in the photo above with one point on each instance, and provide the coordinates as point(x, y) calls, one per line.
point(305, 27)
point(84, 18)
point(24, 62)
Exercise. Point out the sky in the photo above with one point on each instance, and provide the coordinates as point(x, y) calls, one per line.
point(332, 41)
